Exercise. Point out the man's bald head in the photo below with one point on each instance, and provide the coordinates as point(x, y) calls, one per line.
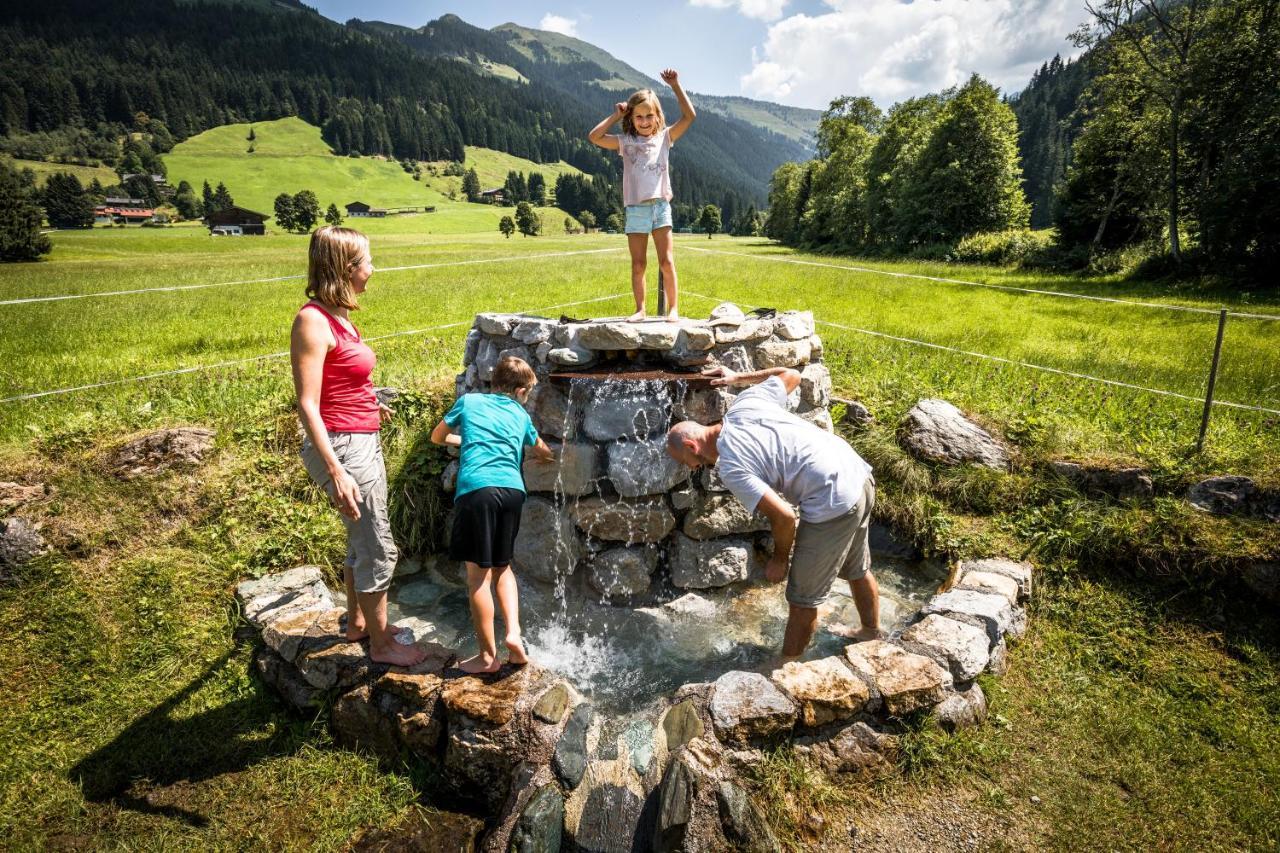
point(692, 444)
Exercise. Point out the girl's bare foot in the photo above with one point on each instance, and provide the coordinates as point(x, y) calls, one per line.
point(478, 665)
point(515, 646)
point(636, 317)
point(397, 654)
point(673, 314)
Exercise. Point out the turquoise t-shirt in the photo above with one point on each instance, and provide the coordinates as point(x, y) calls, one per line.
point(494, 430)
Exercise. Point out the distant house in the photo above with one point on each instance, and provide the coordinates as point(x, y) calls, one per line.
point(110, 214)
point(236, 221)
point(493, 196)
point(359, 208)
point(162, 183)
point(121, 201)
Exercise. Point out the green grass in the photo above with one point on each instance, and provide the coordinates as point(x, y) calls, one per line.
point(492, 168)
point(290, 156)
point(86, 174)
point(1142, 715)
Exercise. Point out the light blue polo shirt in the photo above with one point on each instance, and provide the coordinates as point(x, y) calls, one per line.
point(494, 430)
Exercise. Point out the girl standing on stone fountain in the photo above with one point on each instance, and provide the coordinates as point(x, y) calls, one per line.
point(645, 143)
point(492, 430)
point(341, 416)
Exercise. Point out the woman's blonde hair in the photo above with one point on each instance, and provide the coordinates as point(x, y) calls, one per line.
point(335, 251)
point(644, 96)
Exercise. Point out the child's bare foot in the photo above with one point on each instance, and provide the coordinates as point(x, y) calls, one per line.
point(397, 654)
point(515, 646)
point(478, 665)
point(636, 317)
point(673, 314)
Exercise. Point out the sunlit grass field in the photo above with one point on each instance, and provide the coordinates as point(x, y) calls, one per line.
point(133, 719)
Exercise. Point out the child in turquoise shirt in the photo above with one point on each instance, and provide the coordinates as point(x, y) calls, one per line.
point(492, 430)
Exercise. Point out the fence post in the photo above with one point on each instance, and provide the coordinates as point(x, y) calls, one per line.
point(662, 296)
point(1213, 378)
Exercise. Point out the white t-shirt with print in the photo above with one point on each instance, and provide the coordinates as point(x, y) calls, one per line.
point(645, 175)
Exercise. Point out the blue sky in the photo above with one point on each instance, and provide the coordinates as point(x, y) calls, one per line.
point(798, 52)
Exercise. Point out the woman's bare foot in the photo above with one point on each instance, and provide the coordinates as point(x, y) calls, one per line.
point(636, 317)
point(515, 647)
point(477, 665)
point(397, 654)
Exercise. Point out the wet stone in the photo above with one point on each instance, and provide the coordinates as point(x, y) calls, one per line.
point(573, 472)
point(638, 737)
point(489, 699)
point(548, 408)
point(702, 564)
point(622, 572)
point(541, 823)
point(547, 545)
point(627, 412)
point(644, 468)
point(609, 819)
point(570, 759)
point(745, 706)
point(630, 521)
point(551, 706)
point(681, 724)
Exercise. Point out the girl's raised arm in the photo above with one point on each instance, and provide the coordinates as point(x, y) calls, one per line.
point(600, 133)
point(687, 114)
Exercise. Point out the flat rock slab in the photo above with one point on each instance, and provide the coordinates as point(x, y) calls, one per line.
point(962, 648)
point(746, 706)
point(491, 698)
point(1126, 482)
point(627, 410)
point(1234, 495)
point(630, 521)
point(990, 582)
point(826, 689)
point(628, 336)
point(162, 450)
point(992, 611)
point(906, 682)
point(283, 594)
point(936, 431)
point(622, 572)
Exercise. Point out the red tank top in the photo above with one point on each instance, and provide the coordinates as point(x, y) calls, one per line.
point(347, 401)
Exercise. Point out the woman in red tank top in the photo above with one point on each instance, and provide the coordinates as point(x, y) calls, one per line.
point(341, 415)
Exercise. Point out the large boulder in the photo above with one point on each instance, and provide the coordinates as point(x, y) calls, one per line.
point(815, 385)
point(627, 410)
point(719, 515)
point(549, 409)
point(284, 594)
point(826, 689)
point(905, 682)
point(574, 471)
point(780, 353)
point(702, 564)
point(547, 546)
point(704, 404)
point(746, 707)
point(159, 451)
point(961, 710)
point(631, 520)
point(1232, 494)
point(855, 749)
point(639, 468)
point(793, 325)
point(621, 572)
point(936, 431)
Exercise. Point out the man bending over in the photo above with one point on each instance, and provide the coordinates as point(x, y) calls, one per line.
point(771, 459)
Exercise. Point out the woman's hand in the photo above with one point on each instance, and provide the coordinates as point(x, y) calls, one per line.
point(720, 374)
point(346, 495)
point(670, 76)
point(385, 413)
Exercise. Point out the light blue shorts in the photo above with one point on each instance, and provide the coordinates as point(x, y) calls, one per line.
point(648, 216)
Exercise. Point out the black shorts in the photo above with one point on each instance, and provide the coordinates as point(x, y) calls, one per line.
point(485, 524)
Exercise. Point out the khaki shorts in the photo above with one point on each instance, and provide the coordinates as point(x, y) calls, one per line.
point(371, 552)
point(826, 550)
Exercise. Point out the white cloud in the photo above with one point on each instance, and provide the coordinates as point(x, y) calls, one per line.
point(559, 24)
point(891, 50)
point(764, 10)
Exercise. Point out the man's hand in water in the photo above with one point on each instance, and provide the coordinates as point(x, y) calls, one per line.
point(720, 375)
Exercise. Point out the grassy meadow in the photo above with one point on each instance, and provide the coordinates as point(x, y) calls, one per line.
point(1142, 710)
point(86, 174)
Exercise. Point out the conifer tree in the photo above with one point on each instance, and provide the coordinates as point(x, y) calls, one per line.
point(20, 237)
point(66, 204)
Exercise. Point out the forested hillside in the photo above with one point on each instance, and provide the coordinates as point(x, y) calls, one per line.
point(75, 76)
point(1048, 124)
